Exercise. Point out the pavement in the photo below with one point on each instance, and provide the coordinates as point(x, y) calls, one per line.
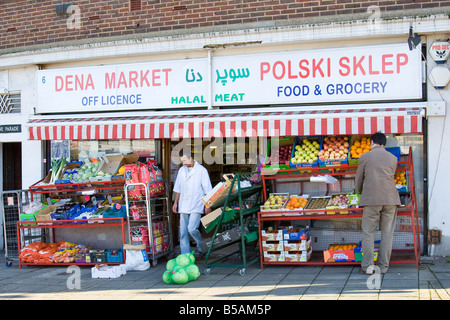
point(431, 281)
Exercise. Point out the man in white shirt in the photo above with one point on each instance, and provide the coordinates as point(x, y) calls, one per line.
point(191, 184)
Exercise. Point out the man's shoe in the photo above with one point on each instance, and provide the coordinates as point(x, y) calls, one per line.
point(361, 270)
point(201, 255)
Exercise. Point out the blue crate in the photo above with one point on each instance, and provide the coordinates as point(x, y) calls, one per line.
point(298, 141)
point(395, 151)
point(114, 255)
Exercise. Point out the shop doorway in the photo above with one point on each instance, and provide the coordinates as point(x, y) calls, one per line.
point(12, 166)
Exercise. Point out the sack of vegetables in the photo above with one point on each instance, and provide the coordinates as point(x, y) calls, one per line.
point(181, 269)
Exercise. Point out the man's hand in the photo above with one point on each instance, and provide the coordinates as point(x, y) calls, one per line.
point(175, 207)
point(207, 210)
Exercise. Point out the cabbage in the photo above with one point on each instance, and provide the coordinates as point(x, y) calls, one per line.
point(170, 264)
point(183, 260)
point(180, 276)
point(191, 256)
point(167, 277)
point(192, 271)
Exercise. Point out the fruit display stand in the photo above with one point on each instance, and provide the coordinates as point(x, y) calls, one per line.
point(242, 235)
point(148, 218)
point(90, 190)
point(344, 174)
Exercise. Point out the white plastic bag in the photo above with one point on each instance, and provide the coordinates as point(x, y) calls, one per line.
point(136, 258)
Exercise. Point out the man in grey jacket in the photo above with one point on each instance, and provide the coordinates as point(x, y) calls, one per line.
point(379, 196)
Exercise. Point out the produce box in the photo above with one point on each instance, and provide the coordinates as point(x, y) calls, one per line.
point(340, 253)
point(296, 234)
point(305, 152)
point(358, 141)
point(128, 159)
point(276, 201)
point(338, 201)
point(45, 215)
point(301, 245)
point(334, 151)
point(219, 192)
point(28, 217)
point(98, 256)
point(68, 173)
point(111, 164)
point(269, 246)
point(114, 255)
point(316, 203)
point(210, 217)
point(280, 157)
point(272, 235)
point(302, 256)
point(297, 202)
point(273, 257)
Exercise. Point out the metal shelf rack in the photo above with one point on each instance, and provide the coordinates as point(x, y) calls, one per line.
point(341, 172)
point(156, 210)
point(240, 216)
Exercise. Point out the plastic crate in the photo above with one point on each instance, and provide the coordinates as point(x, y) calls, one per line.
point(98, 256)
point(334, 162)
point(114, 255)
point(282, 141)
point(299, 142)
point(395, 151)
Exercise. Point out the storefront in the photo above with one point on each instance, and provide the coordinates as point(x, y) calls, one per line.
point(211, 104)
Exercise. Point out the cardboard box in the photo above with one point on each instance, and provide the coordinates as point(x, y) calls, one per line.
point(207, 219)
point(295, 234)
point(273, 257)
point(110, 164)
point(45, 215)
point(269, 246)
point(104, 271)
point(301, 245)
point(302, 256)
point(271, 235)
point(339, 255)
point(218, 193)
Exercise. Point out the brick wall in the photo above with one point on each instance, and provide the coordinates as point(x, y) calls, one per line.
point(35, 22)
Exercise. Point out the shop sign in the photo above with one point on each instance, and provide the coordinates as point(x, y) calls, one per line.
point(349, 74)
point(370, 73)
point(10, 128)
point(143, 86)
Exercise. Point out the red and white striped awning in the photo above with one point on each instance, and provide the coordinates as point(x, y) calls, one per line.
point(229, 123)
